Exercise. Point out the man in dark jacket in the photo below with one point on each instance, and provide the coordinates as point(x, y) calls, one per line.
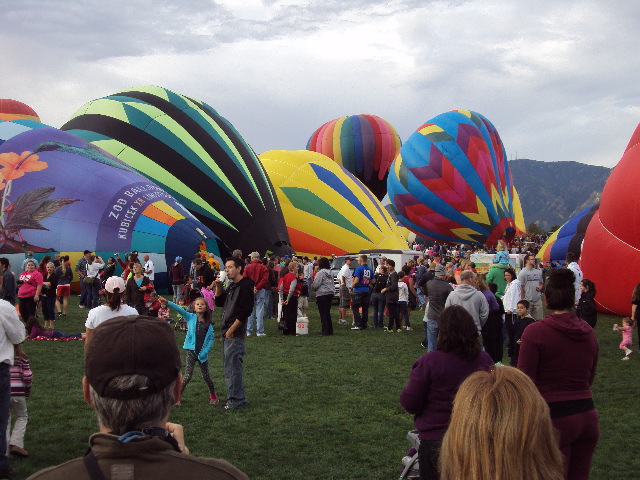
point(391, 296)
point(437, 291)
point(237, 300)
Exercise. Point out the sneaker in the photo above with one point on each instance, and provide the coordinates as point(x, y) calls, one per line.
point(213, 399)
point(355, 328)
point(399, 330)
point(423, 343)
point(18, 451)
point(625, 358)
point(342, 322)
point(409, 329)
point(261, 334)
point(81, 306)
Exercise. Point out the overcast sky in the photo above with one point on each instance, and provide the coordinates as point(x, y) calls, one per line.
point(559, 79)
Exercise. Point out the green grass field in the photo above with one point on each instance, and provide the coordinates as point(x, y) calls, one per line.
point(319, 407)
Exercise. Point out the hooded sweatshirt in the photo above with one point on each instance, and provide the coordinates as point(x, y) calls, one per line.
point(496, 275)
point(559, 353)
point(472, 300)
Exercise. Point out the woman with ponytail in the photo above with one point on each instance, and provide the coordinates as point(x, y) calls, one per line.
point(114, 307)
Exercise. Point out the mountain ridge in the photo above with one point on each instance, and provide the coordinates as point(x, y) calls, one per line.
point(552, 192)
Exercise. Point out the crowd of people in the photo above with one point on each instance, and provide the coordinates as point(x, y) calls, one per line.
point(467, 318)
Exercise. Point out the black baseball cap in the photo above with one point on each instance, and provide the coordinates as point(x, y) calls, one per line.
point(128, 345)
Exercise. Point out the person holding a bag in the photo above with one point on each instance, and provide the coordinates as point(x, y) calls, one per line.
point(92, 280)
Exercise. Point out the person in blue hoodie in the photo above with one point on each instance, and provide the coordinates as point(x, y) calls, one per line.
point(198, 342)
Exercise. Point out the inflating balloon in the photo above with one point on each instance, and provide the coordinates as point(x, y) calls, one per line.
point(364, 144)
point(568, 238)
point(59, 193)
point(185, 147)
point(451, 182)
point(13, 108)
point(327, 210)
point(11, 125)
point(614, 233)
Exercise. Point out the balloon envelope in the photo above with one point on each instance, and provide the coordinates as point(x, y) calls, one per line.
point(328, 210)
point(62, 194)
point(568, 238)
point(194, 154)
point(451, 182)
point(364, 144)
point(16, 109)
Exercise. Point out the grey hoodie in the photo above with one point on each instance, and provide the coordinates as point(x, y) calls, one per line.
point(472, 300)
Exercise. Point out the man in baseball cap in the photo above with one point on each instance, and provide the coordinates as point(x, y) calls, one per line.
point(132, 379)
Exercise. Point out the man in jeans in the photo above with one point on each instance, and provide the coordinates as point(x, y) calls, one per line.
point(361, 294)
point(436, 291)
point(237, 300)
point(259, 273)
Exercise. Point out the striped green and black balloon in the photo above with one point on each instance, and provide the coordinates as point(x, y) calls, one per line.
point(188, 149)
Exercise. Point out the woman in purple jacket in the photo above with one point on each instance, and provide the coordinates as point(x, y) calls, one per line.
point(435, 378)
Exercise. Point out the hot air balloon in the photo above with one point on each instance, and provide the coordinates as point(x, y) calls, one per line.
point(364, 144)
point(11, 126)
point(451, 182)
point(568, 238)
point(10, 109)
point(59, 193)
point(614, 234)
point(327, 210)
point(189, 150)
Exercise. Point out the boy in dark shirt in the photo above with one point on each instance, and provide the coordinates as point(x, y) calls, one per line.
point(519, 325)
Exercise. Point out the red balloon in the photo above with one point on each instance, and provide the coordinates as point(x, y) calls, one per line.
point(614, 236)
point(18, 109)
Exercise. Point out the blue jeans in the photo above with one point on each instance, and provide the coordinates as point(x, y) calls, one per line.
point(432, 334)
point(5, 401)
point(360, 299)
point(233, 350)
point(403, 312)
point(257, 314)
point(83, 293)
point(177, 293)
point(93, 297)
point(420, 297)
point(377, 300)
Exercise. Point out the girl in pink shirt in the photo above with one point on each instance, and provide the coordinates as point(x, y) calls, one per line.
point(627, 330)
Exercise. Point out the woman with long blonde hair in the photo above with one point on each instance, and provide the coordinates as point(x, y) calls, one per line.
point(500, 430)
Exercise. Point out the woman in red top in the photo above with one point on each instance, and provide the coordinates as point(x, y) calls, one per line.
point(289, 289)
point(30, 282)
point(560, 353)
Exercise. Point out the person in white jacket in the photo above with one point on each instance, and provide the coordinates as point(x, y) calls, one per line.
point(510, 299)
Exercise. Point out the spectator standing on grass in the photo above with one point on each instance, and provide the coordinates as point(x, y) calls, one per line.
point(587, 309)
point(176, 275)
point(437, 291)
point(237, 300)
point(259, 274)
point(560, 354)
point(63, 292)
point(572, 265)
point(21, 379)
point(345, 280)
point(361, 293)
point(81, 270)
point(307, 267)
point(11, 333)
point(377, 297)
point(148, 268)
point(392, 295)
point(324, 288)
point(531, 286)
point(8, 278)
point(132, 387)
point(435, 378)
point(114, 307)
point(29, 291)
point(471, 299)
